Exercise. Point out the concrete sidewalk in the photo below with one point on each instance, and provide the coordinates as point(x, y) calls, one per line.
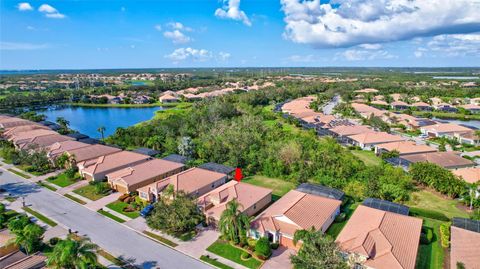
point(100, 203)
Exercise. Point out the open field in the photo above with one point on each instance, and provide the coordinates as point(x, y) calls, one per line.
point(279, 186)
point(428, 200)
point(367, 157)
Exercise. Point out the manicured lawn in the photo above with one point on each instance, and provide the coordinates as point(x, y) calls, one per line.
point(431, 256)
point(40, 216)
point(279, 186)
point(89, 192)
point(428, 200)
point(62, 180)
point(109, 215)
point(26, 168)
point(367, 157)
point(71, 197)
point(214, 262)
point(161, 239)
point(18, 173)
point(337, 227)
point(118, 206)
point(232, 253)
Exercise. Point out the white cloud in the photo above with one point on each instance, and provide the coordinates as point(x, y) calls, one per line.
point(231, 10)
point(179, 26)
point(22, 46)
point(224, 56)
point(455, 45)
point(364, 55)
point(182, 54)
point(158, 27)
point(370, 46)
point(177, 37)
point(50, 12)
point(344, 23)
point(24, 6)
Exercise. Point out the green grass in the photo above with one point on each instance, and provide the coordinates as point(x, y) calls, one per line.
point(11, 199)
point(367, 157)
point(428, 200)
point(337, 227)
point(118, 206)
point(71, 197)
point(25, 168)
point(88, 192)
point(161, 239)
point(109, 215)
point(40, 216)
point(232, 253)
point(214, 262)
point(279, 186)
point(46, 186)
point(62, 180)
point(114, 105)
point(18, 173)
point(431, 256)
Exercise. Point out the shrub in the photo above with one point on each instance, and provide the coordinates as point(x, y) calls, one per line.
point(123, 197)
point(262, 248)
point(341, 217)
point(101, 188)
point(274, 245)
point(70, 172)
point(245, 256)
point(431, 214)
point(251, 243)
point(445, 234)
point(426, 236)
point(53, 241)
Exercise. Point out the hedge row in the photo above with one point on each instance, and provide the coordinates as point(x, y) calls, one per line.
point(445, 234)
point(431, 214)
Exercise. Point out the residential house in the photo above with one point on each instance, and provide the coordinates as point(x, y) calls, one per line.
point(399, 105)
point(396, 97)
point(367, 111)
point(91, 152)
point(59, 148)
point(219, 168)
point(10, 122)
point(42, 142)
point(403, 148)
point(97, 169)
point(444, 107)
point(133, 177)
point(448, 160)
point(296, 210)
point(19, 260)
point(422, 106)
point(194, 181)
point(435, 101)
point(473, 108)
point(443, 129)
point(469, 138)
point(367, 90)
point(465, 243)
point(6, 247)
point(379, 103)
point(20, 129)
point(251, 198)
point(370, 140)
point(380, 239)
point(176, 158)
point(23, 137)
point(470, 174)
point(475, 101)
point(168, 98)
point(341, 132)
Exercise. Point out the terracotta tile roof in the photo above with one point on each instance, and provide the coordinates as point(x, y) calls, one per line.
point(33, 261)
point(91, 152)
point(27, 135)
point(444, 159)
point(246, 194)
point(143, 171)
point(294, 211)
point(389, 240)
point(471, 106)
point(346, 130)
point(24, 128)
point(43, 141)
point(470, 174)
point(399, 103)
point(59, 148)
point(375, 138)
point(367, 90)
point(420, 104)
point(379, 102)
point(465, 246)
point(14, 122)
point(299, 105)
point(446, 128)
point(5, 237)
point(108, 162)
point(406, 147)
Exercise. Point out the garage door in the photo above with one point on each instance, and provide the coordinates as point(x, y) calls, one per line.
point(288, 243)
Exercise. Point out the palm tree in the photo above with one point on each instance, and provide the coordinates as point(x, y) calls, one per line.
point(70, 254)
point(27, 235)
point(234, 223)
point(101, 130)
point(63, 124)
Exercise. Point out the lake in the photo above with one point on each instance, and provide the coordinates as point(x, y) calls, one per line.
point(86, 120)
point(475, 124)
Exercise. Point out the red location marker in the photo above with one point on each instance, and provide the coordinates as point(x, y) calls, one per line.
point(238, 174)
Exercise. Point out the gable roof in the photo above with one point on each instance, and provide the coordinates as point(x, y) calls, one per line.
point(193, 179)
point(246, 195)
point(406, 147)
point(389, 240)
point(469, 174)
point(138, 173)
point(112, 161)
point(59, 148)
point(44, 141)
point(26, 135)
point(464, 244)
point(445, 128)
point(294, 211)
point(91, 152)
point(445, 159)
point(375, 138)
point(346, 130)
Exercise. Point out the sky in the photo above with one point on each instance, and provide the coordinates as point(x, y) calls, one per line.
point(89, 34)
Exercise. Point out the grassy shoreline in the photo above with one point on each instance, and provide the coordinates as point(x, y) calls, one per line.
point(156, 104)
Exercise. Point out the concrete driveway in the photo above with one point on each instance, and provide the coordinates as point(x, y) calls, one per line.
point(280, 259)
point(115, 238)
point(198, 245)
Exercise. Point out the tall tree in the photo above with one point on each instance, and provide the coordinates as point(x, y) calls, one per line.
point(317, 251)
point(101, 130)
point(27, 235)
point(234, 223)
point(64, 123)
point(73, 254)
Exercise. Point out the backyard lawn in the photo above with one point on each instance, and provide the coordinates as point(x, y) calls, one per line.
point(367, 157)
point(431, 256)
point(428, 200)
point(279, 186)
point(232, 253)
point(337, 227)
point(118, 206)
point(89, 192)
point(62, 180)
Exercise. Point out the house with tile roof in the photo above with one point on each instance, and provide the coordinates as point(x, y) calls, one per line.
point(340, 132)
point(296, 210)
point(251, 198)
point(194, 181)
point(399, 105)
point(403, 148)
point(90, 152)
point(42, 142)
point(374, 238)
point(97, 169)
point(422, 106)
point(469, 174)
point(443, 129)
point(448, 160)
point(370, 140)
point(465, 243)
point(57, 149)
point(133, 177)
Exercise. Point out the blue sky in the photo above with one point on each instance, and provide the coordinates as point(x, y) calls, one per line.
point(67, 34)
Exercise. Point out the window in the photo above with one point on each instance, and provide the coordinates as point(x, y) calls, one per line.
point(254, 206)
point(143, 195)
point(213, 185)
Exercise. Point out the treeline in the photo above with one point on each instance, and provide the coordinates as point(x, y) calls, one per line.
point(240, 131)
point(15, 100)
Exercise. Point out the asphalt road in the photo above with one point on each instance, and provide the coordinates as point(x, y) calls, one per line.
point(111, 236)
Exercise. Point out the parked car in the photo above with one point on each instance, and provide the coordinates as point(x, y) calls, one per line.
point(146, 210)
point(423, 136)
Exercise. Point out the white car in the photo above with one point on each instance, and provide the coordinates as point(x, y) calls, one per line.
point(423, 136)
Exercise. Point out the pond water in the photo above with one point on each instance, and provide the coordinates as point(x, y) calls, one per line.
point(86, 120)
